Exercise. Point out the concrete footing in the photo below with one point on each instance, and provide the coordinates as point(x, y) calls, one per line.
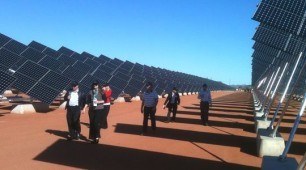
point(120, 100)
point(189, 93)
point(260, 123)
point(270, 162)
point(23, 109)
point(136, 98)
point(63, 105)
point(180, 94)
point(258, 114)
point(185, 94)
point(8, 93)
point(268, 146)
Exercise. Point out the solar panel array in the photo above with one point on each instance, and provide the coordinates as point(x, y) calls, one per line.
point(42, 72)
point(280, 37)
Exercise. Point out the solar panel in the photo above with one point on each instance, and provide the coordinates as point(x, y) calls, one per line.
point(63, 67)
point(55, 80)
point(138, 77)
point(51, 63)
point(33, 70)
point(99, 60)
point(23, 83)
point(32, 54)
point(106, 69)
point(122, 76)
point(8, 58)
point(87, 55)
point(104, 58)
point(3, 68)
point(51, 52)
point(6, 81)
point(136, 84)
point(39, 47)
point(66, 60)
point(44, 93)
point(84, 89)
point(15, 46)
point(89, 79)
point(115, 91)
point(117, 61)
point(19, 63)
point(132, 91)
point(79, 57)
point(92, 63)
point(159, 90)
point(111, 65)
point(102, 76)
point(265, 49)
point(277, 17)
point(276, 38)
point(119, 83)
point(82, 66)
point(65, 51)
point(74, 73)
point(127, 65)
point(4, 39)
point(122, 70)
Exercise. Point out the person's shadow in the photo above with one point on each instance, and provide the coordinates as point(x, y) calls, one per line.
point(64, 134)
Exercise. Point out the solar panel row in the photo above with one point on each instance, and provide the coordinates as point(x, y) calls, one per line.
point(43, 72)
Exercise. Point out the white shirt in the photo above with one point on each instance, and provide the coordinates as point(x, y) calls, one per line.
point(74, 98)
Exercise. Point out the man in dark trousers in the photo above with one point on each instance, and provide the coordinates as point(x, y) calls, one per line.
point(148, 107)
point(171, 103)
point(205, 97)
point(74, 106)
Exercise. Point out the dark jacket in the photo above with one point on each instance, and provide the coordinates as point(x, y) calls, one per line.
point(82, 99)
point(169, 98)
point(101, 96)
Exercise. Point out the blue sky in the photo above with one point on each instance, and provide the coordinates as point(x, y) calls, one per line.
point(207, 38)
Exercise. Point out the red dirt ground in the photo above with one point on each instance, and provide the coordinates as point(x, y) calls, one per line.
point(37, 141)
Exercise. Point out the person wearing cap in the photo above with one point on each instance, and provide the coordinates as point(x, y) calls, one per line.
point(148, 107)
point(75, 103)
point(171, 103)
point(108, 94)
point(205, 97)
point(95, 100)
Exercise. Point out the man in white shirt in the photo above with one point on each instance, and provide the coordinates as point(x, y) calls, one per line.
point(75, 103)
point(205, 97)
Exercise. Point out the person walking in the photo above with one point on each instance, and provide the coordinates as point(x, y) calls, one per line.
point(75, 103)
point(148, 107)
point(108, 94)
point(205, 97)
point(95, 100)
point(172, 101)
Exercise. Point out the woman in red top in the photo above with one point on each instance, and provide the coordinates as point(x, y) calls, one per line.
point(108, 93)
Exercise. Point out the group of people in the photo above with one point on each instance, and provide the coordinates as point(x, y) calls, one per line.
point(150, 101)
point(98, 102)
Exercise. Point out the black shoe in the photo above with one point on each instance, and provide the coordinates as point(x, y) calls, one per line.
point(95, 141)
point(77, 137)
point(69, 138)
